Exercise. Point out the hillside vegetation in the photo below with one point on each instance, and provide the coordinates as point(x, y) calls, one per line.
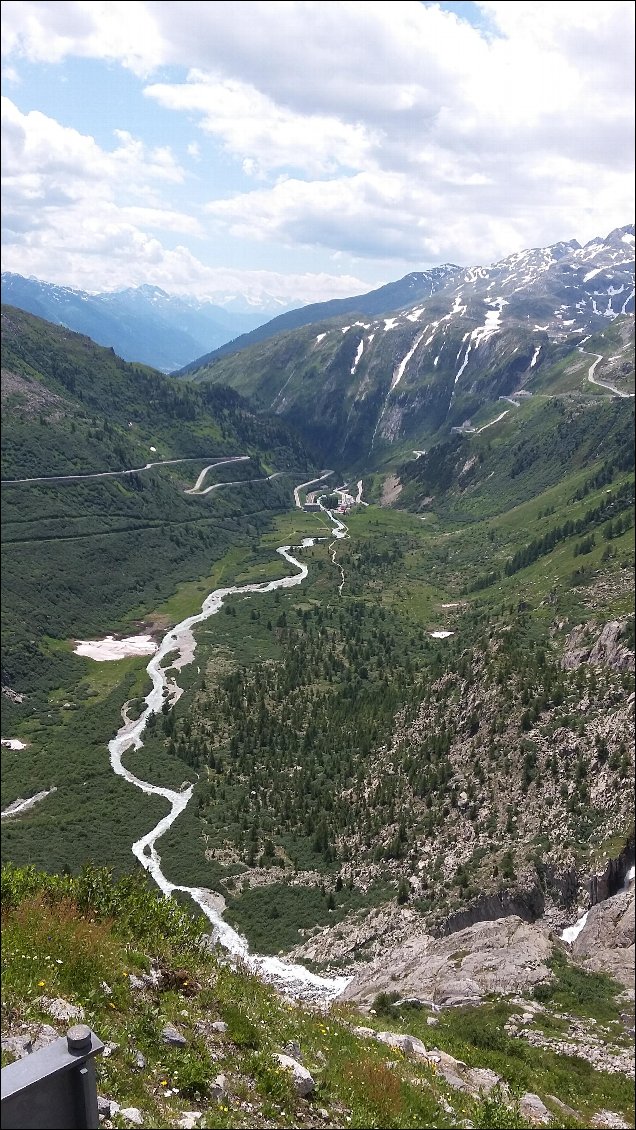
point(455, 350)
point(134, 966)
point(342, 755)
point(87, 557)
point(435, 723)
point(98, 549)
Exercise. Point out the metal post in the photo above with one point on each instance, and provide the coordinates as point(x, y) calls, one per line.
point(54, 1088)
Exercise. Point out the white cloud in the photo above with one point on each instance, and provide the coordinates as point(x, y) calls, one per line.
point(411, 96)
point(80, 215)
point(122, 30)
point(65, 196)
point(36, 145)
point(263, 134)
point(400, 218)
point(110, 256)
point(395, 132)
point(11, 74)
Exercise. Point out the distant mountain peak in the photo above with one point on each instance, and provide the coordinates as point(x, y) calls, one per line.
point(147, 289)
point(618, 236)
point(142, 323)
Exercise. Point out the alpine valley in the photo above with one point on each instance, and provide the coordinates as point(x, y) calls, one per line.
point(140, 323)
point(330, 637)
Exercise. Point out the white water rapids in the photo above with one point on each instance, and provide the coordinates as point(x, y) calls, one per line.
point(294, 979)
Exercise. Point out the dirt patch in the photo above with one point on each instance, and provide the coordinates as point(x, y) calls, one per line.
point(391, 489)
point(32, 397)
point(157, 625)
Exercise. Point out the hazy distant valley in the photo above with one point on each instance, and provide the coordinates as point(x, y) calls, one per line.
point(140, 323)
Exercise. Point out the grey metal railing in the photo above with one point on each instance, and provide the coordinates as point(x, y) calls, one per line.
point(54, 1088)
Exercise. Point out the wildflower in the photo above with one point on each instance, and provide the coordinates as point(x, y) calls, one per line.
point(41, 984)
point(163, 1083)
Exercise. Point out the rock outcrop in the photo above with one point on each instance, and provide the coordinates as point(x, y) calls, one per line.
point(527, 904)
point(610, 880)
point(588, 644)
point(507, 955)
point(606, 942)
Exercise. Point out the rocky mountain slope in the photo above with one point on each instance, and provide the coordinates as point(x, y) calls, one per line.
point(358, 386)
point(412, 288)
point(140, 323)
point(505, 956)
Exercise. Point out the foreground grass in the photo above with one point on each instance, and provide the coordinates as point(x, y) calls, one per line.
point(80, 938)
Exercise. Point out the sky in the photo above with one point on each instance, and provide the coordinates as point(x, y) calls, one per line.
point(290, 151)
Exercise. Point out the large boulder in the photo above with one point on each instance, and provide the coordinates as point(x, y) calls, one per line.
point(303, 1082)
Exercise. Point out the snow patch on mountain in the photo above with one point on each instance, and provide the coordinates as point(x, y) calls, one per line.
point(357, 356)
point(398, 372)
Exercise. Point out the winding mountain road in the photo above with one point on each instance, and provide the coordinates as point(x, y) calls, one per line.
point(301, 486)
point(495, 421)
point(602, 384)
point(130, 471)
point(239, 482)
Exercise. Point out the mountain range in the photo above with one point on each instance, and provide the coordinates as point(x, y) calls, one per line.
point(359, 383)
point(140, 323)
point(391, 296)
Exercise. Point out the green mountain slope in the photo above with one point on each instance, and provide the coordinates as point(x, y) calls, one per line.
point(91, 556)
point(96, 548)
point(433, 730)
point(411, 288)
point(358, 406)
point(133, 963)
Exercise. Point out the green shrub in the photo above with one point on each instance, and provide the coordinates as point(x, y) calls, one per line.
point(588, 994)
point(273, 1082)
point(241, 1028)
